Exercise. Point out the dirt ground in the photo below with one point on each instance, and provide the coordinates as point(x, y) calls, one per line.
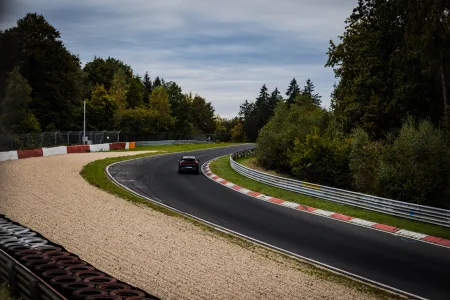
point(165, 256)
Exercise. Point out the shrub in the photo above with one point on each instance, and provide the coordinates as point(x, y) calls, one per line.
point(321, 159)
point(415, 167)
point(364, 161)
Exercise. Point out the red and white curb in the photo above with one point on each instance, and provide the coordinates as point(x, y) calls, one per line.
point(328, 214)
point(21, 154)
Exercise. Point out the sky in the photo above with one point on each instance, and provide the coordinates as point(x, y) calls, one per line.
point(222, 50)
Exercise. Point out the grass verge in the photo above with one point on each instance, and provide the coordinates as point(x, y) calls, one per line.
point(222, 168)
point(94, 173)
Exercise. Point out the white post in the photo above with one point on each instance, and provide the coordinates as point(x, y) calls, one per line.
point(84, 124)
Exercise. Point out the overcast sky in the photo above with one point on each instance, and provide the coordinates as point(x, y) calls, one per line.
point(222, 50)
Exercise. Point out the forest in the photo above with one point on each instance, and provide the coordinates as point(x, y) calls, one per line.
point(43, 87)
point(387, 131)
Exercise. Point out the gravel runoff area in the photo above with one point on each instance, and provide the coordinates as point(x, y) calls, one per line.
point(163, 255)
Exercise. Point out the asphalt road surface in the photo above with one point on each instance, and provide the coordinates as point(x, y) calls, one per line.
point(412, 266)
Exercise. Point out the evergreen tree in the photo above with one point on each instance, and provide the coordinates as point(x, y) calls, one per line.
point(308, 91)
point(274, 99)
point(292, 91)
point(157, 82)
point(135, 92)
point(147, 88)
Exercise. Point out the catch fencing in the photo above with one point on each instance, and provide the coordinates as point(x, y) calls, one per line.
point(11, 142)
point(412, 211)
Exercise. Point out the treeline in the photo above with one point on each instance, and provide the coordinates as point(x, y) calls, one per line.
point(387, 131)
point(43, 86)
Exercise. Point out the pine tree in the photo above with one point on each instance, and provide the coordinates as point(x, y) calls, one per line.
point(292, 91)
point(308, 91)
point(157, 82)
point(274, 99)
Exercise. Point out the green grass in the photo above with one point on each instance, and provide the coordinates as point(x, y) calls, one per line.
point(221, 167)
point(95, 174)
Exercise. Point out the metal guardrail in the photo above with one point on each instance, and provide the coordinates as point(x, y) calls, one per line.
point(412, 211)
point(23, 283)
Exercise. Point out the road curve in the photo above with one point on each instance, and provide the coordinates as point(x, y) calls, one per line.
point(415, 267)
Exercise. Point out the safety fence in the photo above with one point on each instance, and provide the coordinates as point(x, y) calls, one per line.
point(388, 206)
point(9, 142)
point(37, 269)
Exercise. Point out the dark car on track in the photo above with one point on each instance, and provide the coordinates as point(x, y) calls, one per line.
point(189, 164)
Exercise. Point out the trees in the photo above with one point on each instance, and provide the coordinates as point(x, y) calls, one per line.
point(100, 109)
point(160, 108)
point(293, 91)
point(119, 89)
point(389, 64)
point(202, 115)
point(135, 92)
point(49, 68)
point(308, 91)
point(101, 71)
point(15, 114)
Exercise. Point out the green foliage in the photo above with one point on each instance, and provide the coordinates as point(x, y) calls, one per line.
point(100, 109)
point(34, 47)
point(391, 63)
point(119, 89)
point(160, 109)
point(136, 120)
point(277, 138)
point(365, 159)
point(293, 91)
point(237, 132)
point(135, 92)
point(16, 116)
point(202, 115)
point(415, 167)
point(101, 72)
point(321, 159)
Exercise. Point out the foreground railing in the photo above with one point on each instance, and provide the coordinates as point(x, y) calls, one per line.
point(23, 283)
point(388, 206)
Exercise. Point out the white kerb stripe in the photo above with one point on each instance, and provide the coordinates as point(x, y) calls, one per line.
point(362, 222)
point(219, 179)
point(244, 191)
point(323, 212)
point(264, 197)
point(411, 234)
point(54, 150)
point(9, 155)
point(229, 184)
point(289, 204)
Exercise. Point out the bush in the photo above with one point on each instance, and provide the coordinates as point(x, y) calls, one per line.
point(321, 159)
point(364, 162)
point(415, 167)
point(277, 137)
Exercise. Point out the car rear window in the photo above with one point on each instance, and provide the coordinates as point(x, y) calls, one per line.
point(188, 160)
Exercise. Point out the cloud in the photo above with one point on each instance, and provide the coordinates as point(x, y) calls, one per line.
point(222, 50)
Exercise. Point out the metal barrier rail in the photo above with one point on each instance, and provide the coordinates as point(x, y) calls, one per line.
point(24, 283)
point(412, 211)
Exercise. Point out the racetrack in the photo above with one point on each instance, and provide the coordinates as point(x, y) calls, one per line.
point(414, 267)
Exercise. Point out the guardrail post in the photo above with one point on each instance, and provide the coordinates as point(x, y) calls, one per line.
point(34, 290)
point(11, 267)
